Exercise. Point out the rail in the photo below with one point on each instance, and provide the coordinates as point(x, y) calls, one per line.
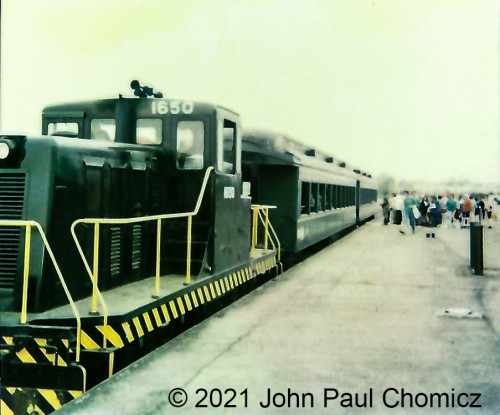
point(261, 212)
point(93, 272)
point(28, 224)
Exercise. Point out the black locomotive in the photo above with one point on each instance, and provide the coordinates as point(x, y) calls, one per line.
point(149, 188)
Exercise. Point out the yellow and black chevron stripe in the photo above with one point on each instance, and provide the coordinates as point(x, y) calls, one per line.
point(43, 401)
point(36, 351)
point(118, 335)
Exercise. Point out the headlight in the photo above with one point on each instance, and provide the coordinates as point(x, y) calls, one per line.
point(12, 150)
point(4, 151)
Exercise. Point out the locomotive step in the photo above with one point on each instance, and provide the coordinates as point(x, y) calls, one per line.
point(42, 376)
point(16, 330)
point(44, 346)
point(45, 387)
point(50, 345)
point(98, 363)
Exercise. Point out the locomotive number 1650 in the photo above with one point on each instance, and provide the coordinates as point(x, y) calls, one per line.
point(172, 107)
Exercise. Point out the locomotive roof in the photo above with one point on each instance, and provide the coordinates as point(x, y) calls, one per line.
point(279, 148)
point(94, 107)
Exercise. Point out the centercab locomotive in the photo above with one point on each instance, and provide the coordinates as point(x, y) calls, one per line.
point(123, 158)
point(117, 205)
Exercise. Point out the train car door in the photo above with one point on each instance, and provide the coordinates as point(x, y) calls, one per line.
point(232, 210)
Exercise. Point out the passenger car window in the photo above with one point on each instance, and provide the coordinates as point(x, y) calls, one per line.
point(148, 131)
point(328, 197)
point(190, 145)
point(103, 129)
point(305, 207)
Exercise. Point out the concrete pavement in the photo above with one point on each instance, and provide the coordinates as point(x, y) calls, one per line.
point(376, 323)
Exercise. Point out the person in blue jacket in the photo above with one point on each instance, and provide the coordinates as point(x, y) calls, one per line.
point(409, 218)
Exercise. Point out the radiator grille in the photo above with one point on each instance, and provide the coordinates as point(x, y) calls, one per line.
point(12, 187)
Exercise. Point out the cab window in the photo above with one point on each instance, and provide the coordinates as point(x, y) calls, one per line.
point(103, 129)
point(65, 129)
point(148, 131)
point(226, 147)
point(190, 145)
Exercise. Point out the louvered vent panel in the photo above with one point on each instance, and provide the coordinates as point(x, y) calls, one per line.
point(12, 187)
point(115, 251)
point(136, 246)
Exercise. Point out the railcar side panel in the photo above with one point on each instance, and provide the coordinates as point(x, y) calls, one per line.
point(319, 226)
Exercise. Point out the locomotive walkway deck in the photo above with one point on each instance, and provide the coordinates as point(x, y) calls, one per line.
point(123, 299)
point(373, 314)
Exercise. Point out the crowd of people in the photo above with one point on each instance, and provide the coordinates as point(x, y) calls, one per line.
point(447, 211)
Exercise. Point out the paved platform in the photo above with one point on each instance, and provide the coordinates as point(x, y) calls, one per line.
point(376, 323)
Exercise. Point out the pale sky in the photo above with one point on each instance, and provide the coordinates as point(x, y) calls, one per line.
point(403, 87)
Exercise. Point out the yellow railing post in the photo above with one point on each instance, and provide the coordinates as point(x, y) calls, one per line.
point(188, 255)
point(266, 225)
point(95, 276)
point(254, 227)
point(158, 252)
point(27, 248)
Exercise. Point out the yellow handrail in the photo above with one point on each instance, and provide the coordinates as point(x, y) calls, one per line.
point(267, 223)
point(158, 250)
point(256, 215)
point(93, 274)
point(188, 256)
point(95, 267)
point(27, 248)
